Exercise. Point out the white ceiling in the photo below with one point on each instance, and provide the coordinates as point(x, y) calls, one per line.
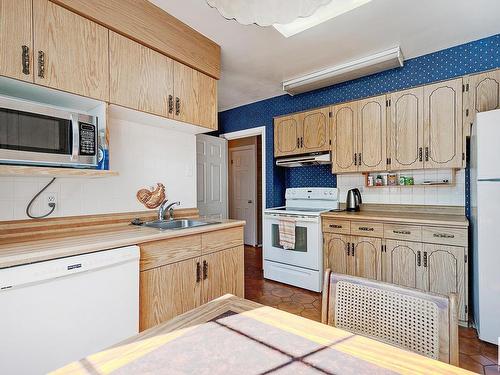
point(255, 60)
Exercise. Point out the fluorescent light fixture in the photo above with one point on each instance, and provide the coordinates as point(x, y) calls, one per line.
point(333, 9)
point(389, 59)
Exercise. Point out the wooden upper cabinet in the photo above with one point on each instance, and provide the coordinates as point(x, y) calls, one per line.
point(406, 129)
point(401, 264)
point(140, 78)
point(336, 253)
point(195, 97)
point(71, 51)
point(445, 272)
point(344, 137)
point(315, 135)
point(16, 57)
point(443, 124)
point(367, 257)
point(372, 134)
point(286, 135)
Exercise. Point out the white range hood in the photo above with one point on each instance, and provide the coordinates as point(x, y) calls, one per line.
point(304, 160)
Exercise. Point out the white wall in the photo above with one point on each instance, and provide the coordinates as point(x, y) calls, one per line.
point(142, 154)
point(421, 195)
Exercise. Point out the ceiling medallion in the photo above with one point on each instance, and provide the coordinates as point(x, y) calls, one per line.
point(266, 12)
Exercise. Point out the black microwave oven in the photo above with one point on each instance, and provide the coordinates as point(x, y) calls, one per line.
point(37, 134)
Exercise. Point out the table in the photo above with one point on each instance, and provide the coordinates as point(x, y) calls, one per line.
point(231, 335)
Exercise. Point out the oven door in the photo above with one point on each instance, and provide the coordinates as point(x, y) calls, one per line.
point(307, 251)
point(31, 133)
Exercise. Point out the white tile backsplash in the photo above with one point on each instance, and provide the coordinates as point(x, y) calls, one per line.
point(143, 155)
point(421, 195)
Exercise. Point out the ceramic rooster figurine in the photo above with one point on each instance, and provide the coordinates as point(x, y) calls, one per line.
point(152, 198)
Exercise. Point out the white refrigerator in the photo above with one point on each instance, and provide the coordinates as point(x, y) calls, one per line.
point(485, 221)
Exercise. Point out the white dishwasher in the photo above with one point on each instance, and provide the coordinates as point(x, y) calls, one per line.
point(58, 311)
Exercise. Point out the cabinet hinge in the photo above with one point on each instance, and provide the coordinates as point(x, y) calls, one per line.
point(387, 103)
point(467, 112)
point(463, 88)
point(330, 114)
point(463, 155)
point(390, 161)
point(330, 142)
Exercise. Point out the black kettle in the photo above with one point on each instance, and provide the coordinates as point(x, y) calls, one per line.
point(353, 200)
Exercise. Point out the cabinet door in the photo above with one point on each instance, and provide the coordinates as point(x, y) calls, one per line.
point(372, 137)
point(445, 272)
point(223, 272)
point(406, 126)
point(140, 78)
point(344, 137)
point(168, 291)
point(315, 131)
point(195, 99)
point(286, 136)
point(16, 33)
point(402, 264)
point(443, 125)
point(75, 51)
point(336, 253)
point(367, 257)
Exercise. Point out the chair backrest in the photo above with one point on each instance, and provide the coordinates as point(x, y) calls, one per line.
point(422, 322)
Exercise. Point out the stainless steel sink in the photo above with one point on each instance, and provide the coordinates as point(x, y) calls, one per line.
point(177, 224)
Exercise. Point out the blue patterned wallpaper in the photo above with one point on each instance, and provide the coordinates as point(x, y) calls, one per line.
point(464, 59)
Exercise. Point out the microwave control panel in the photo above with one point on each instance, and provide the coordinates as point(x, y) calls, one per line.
point(87, 139)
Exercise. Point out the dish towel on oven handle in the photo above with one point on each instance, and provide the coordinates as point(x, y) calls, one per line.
point(287, 232)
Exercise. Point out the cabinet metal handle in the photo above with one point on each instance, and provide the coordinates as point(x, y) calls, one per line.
point(420, 158)
point(352, 249)
point(366, 229)
point(177, 106)
point(170, 104)
point(401, 231)
point(198, 272)
point(298, 142)
point(301, 142)
point(335, 226)
point(419, 259)
point(205, 270)
point(26, 60)
point(355, 159)
point(443, 235)
point(359, 158)
point(425, 258)
point(41, 64)
point(427, 154)
point(348, 248)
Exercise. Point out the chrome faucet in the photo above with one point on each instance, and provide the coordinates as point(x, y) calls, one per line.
point(164, 207)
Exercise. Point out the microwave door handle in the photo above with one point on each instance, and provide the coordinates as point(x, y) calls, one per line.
point(76, 137)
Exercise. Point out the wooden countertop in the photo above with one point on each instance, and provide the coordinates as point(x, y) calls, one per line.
point(232, 335)
point(404, 216)
point(96, 239)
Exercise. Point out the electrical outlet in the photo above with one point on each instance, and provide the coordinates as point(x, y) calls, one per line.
point(50, 198)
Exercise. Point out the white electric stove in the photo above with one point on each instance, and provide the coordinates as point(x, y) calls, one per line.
point(301, 266)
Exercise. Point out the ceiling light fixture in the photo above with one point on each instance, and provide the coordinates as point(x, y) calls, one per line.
point(324, 13)
point(392, 58)
point(266, 12)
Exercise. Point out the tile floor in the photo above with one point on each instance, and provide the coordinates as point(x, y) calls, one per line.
point(475, 355)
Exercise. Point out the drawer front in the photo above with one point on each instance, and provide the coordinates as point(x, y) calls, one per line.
point(445, 236)
point(221, 239)
point(403, 232)
point(159, 253)
point(367, 229)
point(336, 226)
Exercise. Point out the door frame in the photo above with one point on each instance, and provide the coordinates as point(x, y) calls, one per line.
point(260, 130)
point(253, 148)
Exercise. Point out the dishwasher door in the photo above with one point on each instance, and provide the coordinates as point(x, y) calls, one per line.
point(59, 311)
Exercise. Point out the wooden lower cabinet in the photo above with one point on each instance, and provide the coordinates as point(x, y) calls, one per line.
point(400, 264)
point(168, 291)
point(366, 257)
point(172, 289)
point(336, 253)
point(223, 273)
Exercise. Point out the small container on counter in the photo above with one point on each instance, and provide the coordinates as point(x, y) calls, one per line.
point(401, 180)
point(392, 179)
point(385, 180)
point(370, 181)
point(409, 180)
point(379, 181)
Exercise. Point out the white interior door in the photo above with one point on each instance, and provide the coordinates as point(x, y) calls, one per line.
point(211, 176)
point(243, 189)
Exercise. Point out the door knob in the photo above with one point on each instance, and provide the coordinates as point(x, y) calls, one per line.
point(250, 201)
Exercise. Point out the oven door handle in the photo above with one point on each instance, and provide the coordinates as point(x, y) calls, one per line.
point(76, 137)
point(299, 219)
